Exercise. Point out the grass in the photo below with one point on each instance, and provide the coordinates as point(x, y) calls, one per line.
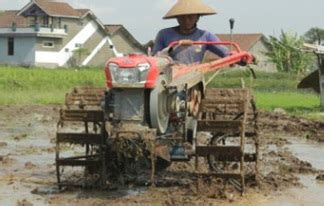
point(48, 86)
point(263, 81)
point(274, 90)
point(295, 103)
point(43, 86)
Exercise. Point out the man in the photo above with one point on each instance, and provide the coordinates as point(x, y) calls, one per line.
point(187, 13)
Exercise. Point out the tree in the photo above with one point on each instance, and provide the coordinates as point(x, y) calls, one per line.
point(286, 53)
point(314, 35)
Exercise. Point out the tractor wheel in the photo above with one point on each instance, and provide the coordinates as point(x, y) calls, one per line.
point(159, 115)
point(214, 165)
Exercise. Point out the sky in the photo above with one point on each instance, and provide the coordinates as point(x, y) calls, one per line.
point(143, 18)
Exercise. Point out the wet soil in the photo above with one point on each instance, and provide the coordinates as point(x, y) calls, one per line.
point(28, 176)
point(292, 125)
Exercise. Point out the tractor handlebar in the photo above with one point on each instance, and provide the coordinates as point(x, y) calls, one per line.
point(237, 53)
point(187, 42)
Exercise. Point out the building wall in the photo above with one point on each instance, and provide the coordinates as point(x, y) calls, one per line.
point(123, 44)
point(91, 44)
point(57, 44)
point(24, 51)
point(264, 63)
point(97, 50)
point(74, 26)
point(103, 55)
point(79, 33)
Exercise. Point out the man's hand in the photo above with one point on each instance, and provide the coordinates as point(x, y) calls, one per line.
point(243, 61)
point(185, 42)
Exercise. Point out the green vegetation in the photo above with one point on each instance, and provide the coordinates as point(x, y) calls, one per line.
point(263, 81)
point(286, 53)
point(48, 86)
point(314, 35)
point(293, 102)
point(79, 53)
point(274, 90)
point(43, 86)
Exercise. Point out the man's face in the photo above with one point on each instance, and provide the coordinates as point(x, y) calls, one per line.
point(187, 22)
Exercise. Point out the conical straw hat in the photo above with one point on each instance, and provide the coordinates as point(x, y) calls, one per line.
point(184, 7)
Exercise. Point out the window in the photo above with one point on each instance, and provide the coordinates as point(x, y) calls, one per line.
point(11, 46)
point(45, 21)
point(78, 45)
point(48, 44)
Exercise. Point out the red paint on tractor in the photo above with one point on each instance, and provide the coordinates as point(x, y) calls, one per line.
point(132, 60)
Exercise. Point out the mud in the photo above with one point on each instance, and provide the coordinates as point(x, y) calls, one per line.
point(291, 125)
point(320, 177)
point(28, 176)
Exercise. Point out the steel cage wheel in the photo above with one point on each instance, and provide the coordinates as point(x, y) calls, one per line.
point(214, 165)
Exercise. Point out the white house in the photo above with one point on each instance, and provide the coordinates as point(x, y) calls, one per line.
point(52, 33)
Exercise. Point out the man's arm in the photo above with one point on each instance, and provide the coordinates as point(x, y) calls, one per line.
point(158, 43)
point(219, 50)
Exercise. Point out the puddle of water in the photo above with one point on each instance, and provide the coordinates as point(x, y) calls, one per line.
point(136, 191)
point(272, 148)
point(308, 151)
point(29, 150)
point(46, 190)
point(311, 193)
point(17, 192)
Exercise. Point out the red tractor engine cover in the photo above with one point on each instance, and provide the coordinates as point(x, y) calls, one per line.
point(131, 62)
point(157, 64)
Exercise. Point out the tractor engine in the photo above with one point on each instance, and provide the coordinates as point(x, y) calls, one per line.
point(137, 91)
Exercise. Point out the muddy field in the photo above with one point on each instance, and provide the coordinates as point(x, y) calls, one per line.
point(288, 170)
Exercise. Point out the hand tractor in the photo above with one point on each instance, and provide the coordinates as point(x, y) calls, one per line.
point(156, 108)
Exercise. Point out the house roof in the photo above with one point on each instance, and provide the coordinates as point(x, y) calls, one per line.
point(53, 8)
point(83, 12)
point(245, 41)
point(8, 17)
point(112, 29)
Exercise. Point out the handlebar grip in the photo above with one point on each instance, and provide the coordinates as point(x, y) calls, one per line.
point(186, 42)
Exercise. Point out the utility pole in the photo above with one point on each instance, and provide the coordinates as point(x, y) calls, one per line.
point(232, 21)
point(321, 78)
